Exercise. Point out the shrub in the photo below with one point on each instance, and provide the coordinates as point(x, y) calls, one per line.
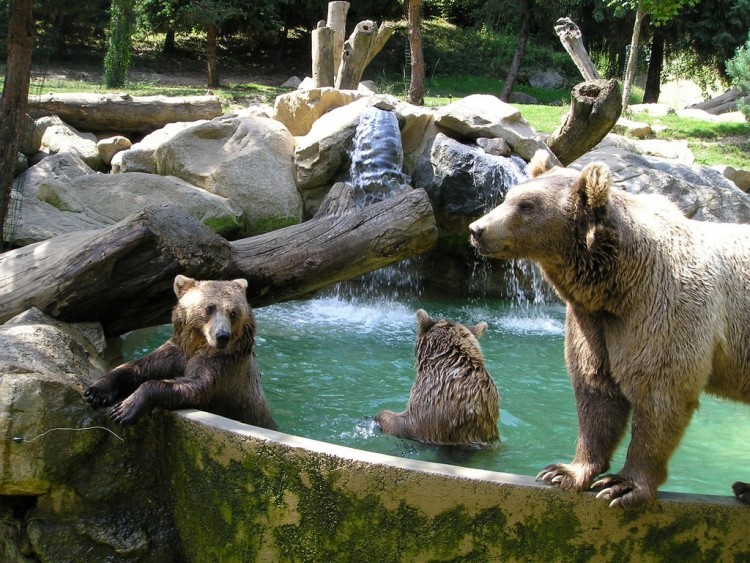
point(738, 68)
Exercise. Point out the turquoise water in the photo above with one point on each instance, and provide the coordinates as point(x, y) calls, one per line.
point(330, 364)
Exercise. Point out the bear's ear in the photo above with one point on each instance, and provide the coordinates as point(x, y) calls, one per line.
point(594, 184)
point(242, 282)
point(424, 322)
point(182, 284)
point(478, 329)
point(539, 164)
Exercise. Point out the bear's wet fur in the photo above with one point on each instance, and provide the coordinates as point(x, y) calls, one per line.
point(208, 364)
point(657, 312)
point(454, 401)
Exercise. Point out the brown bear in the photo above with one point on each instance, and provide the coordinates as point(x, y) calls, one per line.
point(657, 312)
point(209, 363)
point(453, 400)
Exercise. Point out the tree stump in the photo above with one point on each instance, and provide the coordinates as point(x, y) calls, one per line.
point(595, 107)
point(337, 11)
point(354, 55)
point(322, 57)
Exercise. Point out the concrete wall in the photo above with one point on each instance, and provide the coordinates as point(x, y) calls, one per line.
point(244, 494)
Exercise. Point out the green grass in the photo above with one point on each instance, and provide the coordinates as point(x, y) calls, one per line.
point(711, 142)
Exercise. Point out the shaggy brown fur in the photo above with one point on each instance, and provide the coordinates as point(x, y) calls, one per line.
point(453, 400)
point(657, 312)
point(208, 364)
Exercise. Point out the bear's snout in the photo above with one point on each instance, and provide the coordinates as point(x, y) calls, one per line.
point(476, 233)
point(222, 338)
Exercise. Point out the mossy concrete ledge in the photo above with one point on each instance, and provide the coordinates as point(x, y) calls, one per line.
point(240, 493)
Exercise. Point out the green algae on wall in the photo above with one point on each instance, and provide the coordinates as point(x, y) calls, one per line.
point(262, 496)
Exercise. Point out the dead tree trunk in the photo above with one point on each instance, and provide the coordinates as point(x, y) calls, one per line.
point(322, 52)
point(570, 37)
point(354, 55)
point(416, 82)
point(595, 107)
point(337, 22)
point(122, 275)
point(523, 37)
point(122, 112)
point(14, 98)
point(212, 80)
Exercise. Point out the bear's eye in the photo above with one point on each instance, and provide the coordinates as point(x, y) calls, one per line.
point(526, 206)
point(210, 309)
point(232, 315)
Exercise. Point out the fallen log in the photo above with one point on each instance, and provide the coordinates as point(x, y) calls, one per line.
point(595, 107)
point(723, 103)
point(122, 112)
point(122, 275)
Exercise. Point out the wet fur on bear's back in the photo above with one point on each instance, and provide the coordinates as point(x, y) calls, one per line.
point(453, 401)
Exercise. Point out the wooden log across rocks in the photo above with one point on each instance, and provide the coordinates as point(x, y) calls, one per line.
point(122, 275)
point(123, 112)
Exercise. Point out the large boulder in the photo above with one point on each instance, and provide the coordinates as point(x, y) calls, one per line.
point(89, 493)
point(61, 195)
point(246, 159)
point(140, 156)
point(701, 192)
point(298, 110)
point(483, 115)
point(58, 137)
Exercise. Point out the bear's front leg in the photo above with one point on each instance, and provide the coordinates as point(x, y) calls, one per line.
point(167, 393)
point(657, 427)
point(602, 408)
point(166, 361)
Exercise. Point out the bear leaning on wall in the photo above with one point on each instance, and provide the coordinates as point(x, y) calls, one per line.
point(453, 401)
point(208, 364)
point(658, 310)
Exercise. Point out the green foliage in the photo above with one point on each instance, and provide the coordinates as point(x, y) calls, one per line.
point(117, 59)
point(739, 69)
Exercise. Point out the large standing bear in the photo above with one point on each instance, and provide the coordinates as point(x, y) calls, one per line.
point(658, 310)
point(454, 401)
point(209, 363)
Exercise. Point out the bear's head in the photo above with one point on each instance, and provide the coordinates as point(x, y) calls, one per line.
point(555, 216)
point(213, 316)
point(443, 341)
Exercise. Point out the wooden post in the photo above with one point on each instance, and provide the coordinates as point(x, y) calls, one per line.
point(323, 73)
point(595, 107)
point(355, 54)
point(570, 37)
point(337, 22)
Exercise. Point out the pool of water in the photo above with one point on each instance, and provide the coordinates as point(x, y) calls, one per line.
point(330, 364)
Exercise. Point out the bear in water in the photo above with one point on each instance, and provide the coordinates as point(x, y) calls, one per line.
point(453, 401)
point(209, 363)
point(657, 312)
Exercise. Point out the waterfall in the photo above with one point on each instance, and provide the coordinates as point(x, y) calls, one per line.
point(378, 157)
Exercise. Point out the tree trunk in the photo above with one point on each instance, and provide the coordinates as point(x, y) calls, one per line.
point(355, 54)
point(123, 113)
point(213, 73)
point(14, 99)
point(416, 83)
point(595, 107)
point(570, 37)
point(653, 78)
point(337, 22)
point(122, 275)
point(523, 36)
point(169, 46)
point(322, 57)
point(633, 58)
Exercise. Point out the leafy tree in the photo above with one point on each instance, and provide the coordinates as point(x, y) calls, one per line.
point(738, 69)
point(661, 11)
point(117, 59)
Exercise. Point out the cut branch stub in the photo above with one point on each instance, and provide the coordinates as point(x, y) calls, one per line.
point(570, 37)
